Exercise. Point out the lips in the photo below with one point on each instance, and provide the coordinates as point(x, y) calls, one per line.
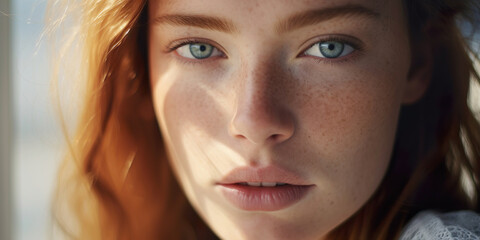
point(263, 189)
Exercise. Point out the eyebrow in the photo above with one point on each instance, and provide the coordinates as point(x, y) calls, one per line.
point(321, 15)
point(296, 21)
point(201, 21)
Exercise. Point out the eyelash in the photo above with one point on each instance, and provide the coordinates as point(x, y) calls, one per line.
point(357, 49)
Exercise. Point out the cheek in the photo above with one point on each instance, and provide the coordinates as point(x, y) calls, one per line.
point(188, 112)
point(350, 118)
point(187, 106)
point(348, 111)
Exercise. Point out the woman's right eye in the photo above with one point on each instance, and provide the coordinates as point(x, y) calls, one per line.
point(198, 51)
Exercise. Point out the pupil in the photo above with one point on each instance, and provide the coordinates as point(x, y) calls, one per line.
point(203, 48)
point(331, 46)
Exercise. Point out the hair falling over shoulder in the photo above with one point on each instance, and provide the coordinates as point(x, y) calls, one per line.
point(115, 181)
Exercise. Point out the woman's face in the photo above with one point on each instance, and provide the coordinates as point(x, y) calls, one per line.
point(299, 97)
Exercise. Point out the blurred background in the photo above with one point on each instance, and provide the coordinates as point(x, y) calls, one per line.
point(35, 143)
point(35, 147)
point(37, 137)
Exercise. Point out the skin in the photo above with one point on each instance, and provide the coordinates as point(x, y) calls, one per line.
point(261, 101)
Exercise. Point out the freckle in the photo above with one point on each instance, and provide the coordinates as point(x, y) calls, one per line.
point(331, 203)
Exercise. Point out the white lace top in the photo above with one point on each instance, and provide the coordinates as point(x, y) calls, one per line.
point(462, 225)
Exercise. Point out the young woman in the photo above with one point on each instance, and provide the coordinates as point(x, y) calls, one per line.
point(273, 120)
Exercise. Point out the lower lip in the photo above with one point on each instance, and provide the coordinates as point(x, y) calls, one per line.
point(263, 198)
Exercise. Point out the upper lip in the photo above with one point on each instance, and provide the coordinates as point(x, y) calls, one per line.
point(265, 174)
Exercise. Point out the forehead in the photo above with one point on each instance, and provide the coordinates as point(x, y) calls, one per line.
point(259, 5)
point(253, 12)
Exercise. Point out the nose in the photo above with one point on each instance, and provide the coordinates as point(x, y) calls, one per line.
point(261, 115)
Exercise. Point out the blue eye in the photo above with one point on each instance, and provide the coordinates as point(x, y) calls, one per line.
point(329, 49)
point(198, 51)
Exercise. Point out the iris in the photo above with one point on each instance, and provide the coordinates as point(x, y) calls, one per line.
point(201, 50)
point(331, 49)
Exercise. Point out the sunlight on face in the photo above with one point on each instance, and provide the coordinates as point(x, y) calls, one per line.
point(312, 88)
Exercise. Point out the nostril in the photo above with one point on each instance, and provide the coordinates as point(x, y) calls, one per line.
point(275, 137)
point(241, 136)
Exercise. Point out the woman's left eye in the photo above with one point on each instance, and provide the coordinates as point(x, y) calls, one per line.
point(329, 49)
point(198, 51)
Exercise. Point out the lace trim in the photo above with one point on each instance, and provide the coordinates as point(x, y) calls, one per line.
point(462, 225)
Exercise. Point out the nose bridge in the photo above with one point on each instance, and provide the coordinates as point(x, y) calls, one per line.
point(258, 90)
point(260, 116)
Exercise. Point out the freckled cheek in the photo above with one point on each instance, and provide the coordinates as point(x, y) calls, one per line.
point(352, 110)
point(352, 126)
point(352, 121)
point(348, 104)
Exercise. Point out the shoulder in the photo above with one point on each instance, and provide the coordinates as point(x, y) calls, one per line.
point(431, 225)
